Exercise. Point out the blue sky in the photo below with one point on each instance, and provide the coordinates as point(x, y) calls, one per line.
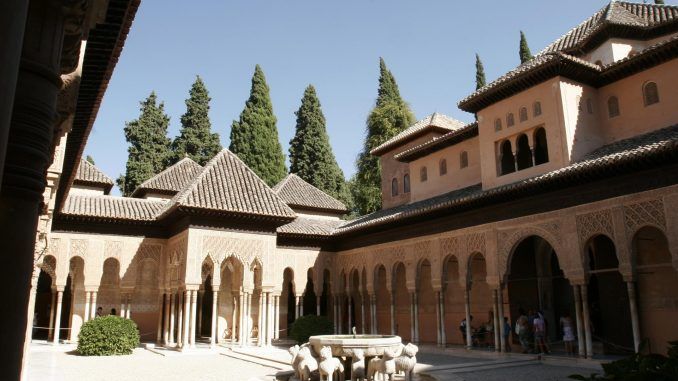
point(335, 45)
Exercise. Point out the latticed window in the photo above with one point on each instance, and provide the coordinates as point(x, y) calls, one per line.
point(536, 109)
point(522, 114)
point(463, 159)
point(394, 187)
point(443, 167)
point(612, 107)
point(510, 121)
point(650, 93)
point(497, 124)
point(406, 184)
point(423, 174)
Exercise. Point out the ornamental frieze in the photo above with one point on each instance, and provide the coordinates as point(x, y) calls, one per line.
point(594, 223)
point(644, 213)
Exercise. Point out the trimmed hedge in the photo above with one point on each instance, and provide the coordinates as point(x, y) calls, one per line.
point(310, 325)
point(108, 335)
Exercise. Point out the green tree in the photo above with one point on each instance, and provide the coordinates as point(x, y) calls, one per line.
point(390, 116)
point(90, 159)
point(525, 54)
point(480, 73)
point(311, 156)
point(196, 139)
point(149, 148)
point(660, 2)
point(254, 137)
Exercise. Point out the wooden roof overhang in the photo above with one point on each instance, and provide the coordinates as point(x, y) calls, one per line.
point(415, 135)
point(447, 140)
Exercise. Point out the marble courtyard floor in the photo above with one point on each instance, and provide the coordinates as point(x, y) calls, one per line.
point(49, 363)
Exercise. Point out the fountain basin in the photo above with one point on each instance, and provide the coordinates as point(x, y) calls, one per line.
point(344, 345)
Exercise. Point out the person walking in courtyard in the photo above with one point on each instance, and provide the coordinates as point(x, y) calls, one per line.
point(539, 326)
point(567, 326)
point(507, 334)
point(462, 328)
point(523, 331)
point(113, 312)
point(100, 312)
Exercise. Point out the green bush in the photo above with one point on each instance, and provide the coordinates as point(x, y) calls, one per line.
point(310, 325)
point(640, 367)
point(108, 335)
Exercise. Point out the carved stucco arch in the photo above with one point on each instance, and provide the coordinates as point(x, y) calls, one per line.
point(510, 241)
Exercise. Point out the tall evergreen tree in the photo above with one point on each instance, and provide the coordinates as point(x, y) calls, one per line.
point(149, 147)
point(524, 51)
point(311, 156)
point(90, 159)
point(480, 73)
point(196, 139)
point(390, 116)
point(254, 137)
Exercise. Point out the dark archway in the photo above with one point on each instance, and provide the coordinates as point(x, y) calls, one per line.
point(287, 301)
point(326, 296)
point(309, 300)
point(454, 300)
point(507, 160)
point(426, 304)
point(403, 321)
point(524, 153)
point(608, 298)
point(541, 148)
point(383, 306)
point(44, 304)
point(205, 325)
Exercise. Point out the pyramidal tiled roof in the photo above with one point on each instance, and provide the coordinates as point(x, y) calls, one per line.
point(89, 174)
point(432, 121)
point(110, 207)
point(172, 180)
point(227, 185)
point(294, 191)
point(635, 15)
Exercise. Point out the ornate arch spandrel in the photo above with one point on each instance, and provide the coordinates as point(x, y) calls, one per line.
point(508, 240)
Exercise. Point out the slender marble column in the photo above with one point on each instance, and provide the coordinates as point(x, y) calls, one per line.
point(362, 312)
point(415, 296)
point(587, 321)
point(467, 306)
point(194, 306)
point(93, 309)
point(213, 330)
point(633, 307)
point(502, 328)
point(442, 318)
point(166, 319)
point(340, 309)
point(241, 318)
point(438, 326)
point(261, 321)
point(276, 313)
point(495, 312)
point(578, 319)
point(373, 314)
point(334, 315)
point(301, 305)
point(235, 325)
point(393, 319)
point(88, 297)
point(349, 318)
point(172, 308)
point(128, 311)
point(161, 312)
point(123, 303)
point(180, 319)
point(186, 329)
point(57, 317)
point(201, 299)
point(248, 317)
point(52, 309)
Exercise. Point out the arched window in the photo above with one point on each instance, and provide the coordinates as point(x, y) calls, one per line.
point(406, 184)
point(443, 167)
point(541, 149)
point(507, 161)
point(589, 105)
point(650, 93)
point(510, 121)
point(394, 187)
point(536, 109)
point(612, 106)
point(497, 124)
point(423, 174)
point(522, 114)
point(524, 152)
point(463, 159)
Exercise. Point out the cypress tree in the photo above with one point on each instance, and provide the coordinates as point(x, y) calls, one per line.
point(254, 137)
point(196, 139)
point(90, 159)
point(390, 116)
point(149, 148)
point(480, 73)
point(311, 156)
point(525, 54)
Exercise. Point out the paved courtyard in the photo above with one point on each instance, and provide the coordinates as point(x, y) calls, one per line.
point(48, 363)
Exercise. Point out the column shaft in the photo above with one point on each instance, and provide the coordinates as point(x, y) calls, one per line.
point(502, 326)
point(213, 327)
point(276, 317)
point(52, 309)
point(578, 320)
point(201, 299)
point(194, 306)
point(93, 310)
point(349, 318)
point(173, 307)
point(633, 307)
point(128, 310)
point(393, 319)
point(495, 312)
point(88, 297)
point(438, 326)
point(587, 321)
point(261, 321)
point(161, 313)
point(317, 306)
point(362, 312)
point(442, 318)
point(180, 319)
point(467, 306)
point(166, 319)
point(57, 317)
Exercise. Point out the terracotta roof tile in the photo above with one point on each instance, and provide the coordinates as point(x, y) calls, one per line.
point(110, 207)
point(647, 149)
point(172, 179)
point(310, 227)
point(226, 184)
point(294, 191)
point(430, 122)
point(89, 174)
point(451, 138)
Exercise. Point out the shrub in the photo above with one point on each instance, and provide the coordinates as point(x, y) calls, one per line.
point(310, 325)
point(640, 367)
point(108, 335)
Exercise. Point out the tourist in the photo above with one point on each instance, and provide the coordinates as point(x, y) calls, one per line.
point(100, 312)
point(523, 331)
point(113, 312)
point(507, 334)
point(567, 326)
point(462, 328)
point(539, 326)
